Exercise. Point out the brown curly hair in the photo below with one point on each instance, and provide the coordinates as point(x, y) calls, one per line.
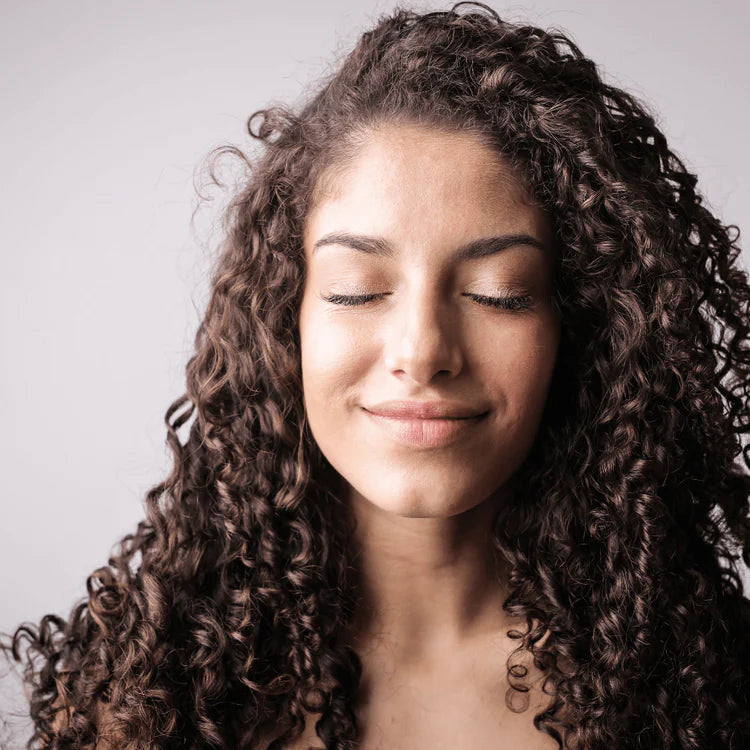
point(222, 613)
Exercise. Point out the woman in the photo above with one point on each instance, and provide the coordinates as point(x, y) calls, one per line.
point(541, 547)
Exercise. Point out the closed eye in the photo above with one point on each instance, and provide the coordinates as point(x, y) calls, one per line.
point(513, 303)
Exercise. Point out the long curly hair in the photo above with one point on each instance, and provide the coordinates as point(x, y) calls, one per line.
point(222, 614)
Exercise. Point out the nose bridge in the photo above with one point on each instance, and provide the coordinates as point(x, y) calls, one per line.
point(424, 333)
point(424, 309)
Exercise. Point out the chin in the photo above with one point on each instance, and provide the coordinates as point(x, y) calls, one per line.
point(421, 506)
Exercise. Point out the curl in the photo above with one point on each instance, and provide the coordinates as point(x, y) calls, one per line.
point(224, 614)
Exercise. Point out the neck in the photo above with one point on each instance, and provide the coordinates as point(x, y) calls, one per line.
point(428, 584)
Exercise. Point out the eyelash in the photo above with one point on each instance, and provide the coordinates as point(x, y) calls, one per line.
point(514, 304)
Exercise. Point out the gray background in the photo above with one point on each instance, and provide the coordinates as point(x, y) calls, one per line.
point(108, 109)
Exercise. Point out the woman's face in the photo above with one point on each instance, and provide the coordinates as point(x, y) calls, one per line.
point(393, 225)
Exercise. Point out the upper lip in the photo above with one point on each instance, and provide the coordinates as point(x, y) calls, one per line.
point(425, 410)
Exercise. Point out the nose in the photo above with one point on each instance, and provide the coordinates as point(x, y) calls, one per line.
point(423, 337)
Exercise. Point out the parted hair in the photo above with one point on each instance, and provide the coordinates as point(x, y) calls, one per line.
point(222, 613)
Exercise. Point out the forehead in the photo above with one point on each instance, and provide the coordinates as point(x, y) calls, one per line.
point(416, 180)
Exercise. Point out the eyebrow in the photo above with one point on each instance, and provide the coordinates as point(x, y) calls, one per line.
point(479, 248)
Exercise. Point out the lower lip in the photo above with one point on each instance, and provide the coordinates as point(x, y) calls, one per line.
point(426, 433)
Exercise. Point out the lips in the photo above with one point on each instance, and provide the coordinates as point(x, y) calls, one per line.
point(425, 410)
point(427, 433)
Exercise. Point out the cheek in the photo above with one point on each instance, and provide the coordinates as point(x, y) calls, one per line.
point(524, 368)
point(334, 362)
point(332, 358)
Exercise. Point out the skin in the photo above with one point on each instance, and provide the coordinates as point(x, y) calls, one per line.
point(433, 590)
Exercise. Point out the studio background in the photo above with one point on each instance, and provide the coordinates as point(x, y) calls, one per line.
point(108, 112)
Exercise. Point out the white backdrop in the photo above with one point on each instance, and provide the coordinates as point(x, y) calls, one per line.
point(108, 109)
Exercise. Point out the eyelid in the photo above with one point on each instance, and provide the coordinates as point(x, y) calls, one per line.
point(511, 303)
point(504, 291)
